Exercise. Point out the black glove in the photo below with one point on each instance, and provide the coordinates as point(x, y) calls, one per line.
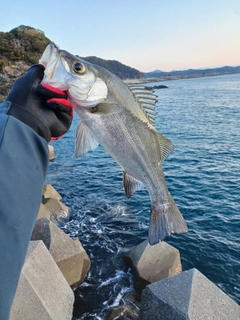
point(42, 107)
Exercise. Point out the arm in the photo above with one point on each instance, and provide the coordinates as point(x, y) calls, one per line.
point(26, 125)
point(23, 167)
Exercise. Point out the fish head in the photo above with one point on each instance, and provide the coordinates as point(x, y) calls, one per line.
point(75, 76)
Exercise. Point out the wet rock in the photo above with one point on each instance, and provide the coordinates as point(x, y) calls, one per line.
point(59, 212)
point(42, 293)
point(69, 254)
point(152, 263)
point(132, 299)
point(50, 192)
point(121, 313)
point(51, 153)
point(43, 212)
point(187, 296)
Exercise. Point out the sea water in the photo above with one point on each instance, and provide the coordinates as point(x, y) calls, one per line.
point(202, 119)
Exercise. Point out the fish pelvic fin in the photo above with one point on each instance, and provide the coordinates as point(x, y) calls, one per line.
point(165, 220)
point(85, 140)
point(130, 184)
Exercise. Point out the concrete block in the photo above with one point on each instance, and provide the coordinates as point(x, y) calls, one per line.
point(50, 192)
point(43, 212)
point(187, 296)
point(58, 210)
point(42, 293)
point(69, 254)
point(152, 263)
point(51, 152)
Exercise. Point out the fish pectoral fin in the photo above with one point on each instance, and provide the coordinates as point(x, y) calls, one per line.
point(85, 140)
point(106, 108)
point(131, 184)
point(166, 147)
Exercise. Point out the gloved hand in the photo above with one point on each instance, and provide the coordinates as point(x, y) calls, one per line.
point(42, 107)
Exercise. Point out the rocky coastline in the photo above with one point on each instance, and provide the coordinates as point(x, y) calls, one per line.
point(8, 75)
point(56, 264)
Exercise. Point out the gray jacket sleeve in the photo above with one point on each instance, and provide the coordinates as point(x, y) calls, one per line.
point(23, 167)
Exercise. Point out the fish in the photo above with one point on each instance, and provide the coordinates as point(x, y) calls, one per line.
point(120, 118)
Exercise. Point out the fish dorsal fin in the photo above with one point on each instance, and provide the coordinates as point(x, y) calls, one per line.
point(131, 184)
point(85, 140)
point(166, 146)
point(146, 99)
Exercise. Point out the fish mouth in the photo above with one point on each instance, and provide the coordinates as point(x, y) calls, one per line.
point(49, 60)
point(47, 54)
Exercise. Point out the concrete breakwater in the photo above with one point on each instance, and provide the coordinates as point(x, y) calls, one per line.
point(55, 264)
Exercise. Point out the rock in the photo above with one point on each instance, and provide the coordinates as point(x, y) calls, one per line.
point(161, 86)
point(130, 309)
point(59, 212)
point(8, 75)
point(50, 192)
point(189, 295)
point(51, 152)
point(43, 212)
point(132, 300)
point(42, 293)
point(121, 313)
point(152, 263)
point(69, 254)
point(16, 70)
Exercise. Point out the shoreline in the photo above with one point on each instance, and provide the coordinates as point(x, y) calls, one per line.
point(169, 78)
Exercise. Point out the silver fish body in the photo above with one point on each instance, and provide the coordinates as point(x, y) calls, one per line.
point(121, 120)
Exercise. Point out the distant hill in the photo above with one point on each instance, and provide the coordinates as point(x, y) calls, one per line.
point(116, 67)
point(27, 44)
point(191, 73)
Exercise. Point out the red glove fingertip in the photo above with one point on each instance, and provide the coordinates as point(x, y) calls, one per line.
point(53, 89)
point(63, 102)
point(56, 138)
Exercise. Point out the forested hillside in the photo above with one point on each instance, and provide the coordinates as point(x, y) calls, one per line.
point(27, 44)
point(22, 44)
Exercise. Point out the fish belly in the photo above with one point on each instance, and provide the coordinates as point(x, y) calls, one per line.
point(135, 147)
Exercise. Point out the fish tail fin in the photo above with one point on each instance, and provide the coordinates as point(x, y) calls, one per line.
point(165, 219)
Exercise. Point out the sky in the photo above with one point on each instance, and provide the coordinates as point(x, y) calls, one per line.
point(144, 34)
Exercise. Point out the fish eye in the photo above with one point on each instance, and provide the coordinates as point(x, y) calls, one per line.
point(78, 67)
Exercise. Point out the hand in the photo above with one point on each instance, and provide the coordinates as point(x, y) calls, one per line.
point(42, 107)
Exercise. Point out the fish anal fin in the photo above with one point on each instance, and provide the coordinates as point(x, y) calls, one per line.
point(85, 140)
point(166, 147)
point(165, 220)
point(131, 184)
